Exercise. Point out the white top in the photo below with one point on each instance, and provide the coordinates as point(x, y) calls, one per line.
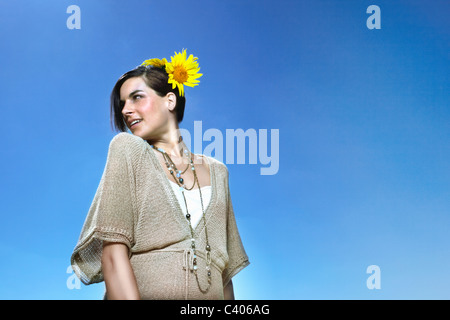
point(193, 201)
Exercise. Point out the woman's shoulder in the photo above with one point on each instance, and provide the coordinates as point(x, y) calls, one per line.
point(125, 138)
point(127, 142)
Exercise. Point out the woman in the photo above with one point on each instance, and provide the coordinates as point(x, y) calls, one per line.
point(161, 225)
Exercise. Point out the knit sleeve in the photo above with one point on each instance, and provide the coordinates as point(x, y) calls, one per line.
point(237, 257)
point(111, 214)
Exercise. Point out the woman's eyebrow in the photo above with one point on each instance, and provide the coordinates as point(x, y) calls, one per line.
point(135, 91)
point(132, 93)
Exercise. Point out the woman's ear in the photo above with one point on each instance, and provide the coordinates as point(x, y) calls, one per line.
point(171, 100)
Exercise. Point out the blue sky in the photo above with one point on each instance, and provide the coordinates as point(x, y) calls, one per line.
point(363, 119)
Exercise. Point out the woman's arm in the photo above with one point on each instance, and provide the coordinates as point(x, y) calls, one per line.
point(118, 274)
point(228, 292)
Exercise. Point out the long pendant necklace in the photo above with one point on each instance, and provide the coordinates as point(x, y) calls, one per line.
point(176, 174)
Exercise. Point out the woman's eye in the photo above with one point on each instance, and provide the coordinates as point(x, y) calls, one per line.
point(137, 97)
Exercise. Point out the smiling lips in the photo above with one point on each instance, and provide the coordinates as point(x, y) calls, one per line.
point(134, 122)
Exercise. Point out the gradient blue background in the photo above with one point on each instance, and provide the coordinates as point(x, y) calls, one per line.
point(363, 117)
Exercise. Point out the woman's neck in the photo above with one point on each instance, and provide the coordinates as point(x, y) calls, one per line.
point(172, 144)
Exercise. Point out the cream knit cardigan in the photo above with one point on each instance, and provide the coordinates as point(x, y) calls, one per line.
point(135, 205)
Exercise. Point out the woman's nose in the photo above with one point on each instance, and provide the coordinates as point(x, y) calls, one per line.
point(127, 109)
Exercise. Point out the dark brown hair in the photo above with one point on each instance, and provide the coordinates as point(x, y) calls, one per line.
point(155, 78)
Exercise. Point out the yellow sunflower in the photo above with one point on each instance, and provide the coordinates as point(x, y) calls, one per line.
point(155, 62)
point(183, 72)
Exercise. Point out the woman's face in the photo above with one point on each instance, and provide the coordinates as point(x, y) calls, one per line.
point(145, 113)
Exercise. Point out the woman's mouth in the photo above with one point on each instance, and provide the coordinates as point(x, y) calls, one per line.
point(134, 123)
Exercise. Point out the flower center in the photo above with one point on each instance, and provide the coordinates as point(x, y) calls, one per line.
point(180, 74)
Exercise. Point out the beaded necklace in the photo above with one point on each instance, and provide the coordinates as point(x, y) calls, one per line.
point(177, 175)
